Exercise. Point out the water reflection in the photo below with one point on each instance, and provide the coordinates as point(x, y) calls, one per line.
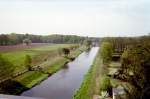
point(65, 66)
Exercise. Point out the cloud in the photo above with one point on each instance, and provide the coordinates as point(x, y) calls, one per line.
point(80, 17)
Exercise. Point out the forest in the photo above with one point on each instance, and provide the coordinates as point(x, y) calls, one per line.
point(13, 39)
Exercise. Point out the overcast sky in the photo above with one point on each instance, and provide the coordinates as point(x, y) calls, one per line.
point(80, 17)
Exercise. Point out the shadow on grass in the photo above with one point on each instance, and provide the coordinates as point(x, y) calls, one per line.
point(12, 87)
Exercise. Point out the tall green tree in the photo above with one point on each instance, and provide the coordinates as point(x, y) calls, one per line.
point(106, 51)
point(88, 43)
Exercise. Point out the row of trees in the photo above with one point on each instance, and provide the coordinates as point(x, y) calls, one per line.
point(12, 39)
point(119, 44)
point(135, 62)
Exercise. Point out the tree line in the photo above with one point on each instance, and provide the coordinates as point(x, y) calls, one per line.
point(13, 39)
point(135, 62)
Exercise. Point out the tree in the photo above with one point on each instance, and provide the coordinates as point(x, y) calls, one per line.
point(106, 52)
point(88, 43)
point(4, 40)
point(27, 41)
point(6, 68)
point(136, 67)
point(28, 62)
point(13, 39)
point(66, 51)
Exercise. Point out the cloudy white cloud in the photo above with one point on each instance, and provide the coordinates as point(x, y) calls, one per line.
point(80, 17)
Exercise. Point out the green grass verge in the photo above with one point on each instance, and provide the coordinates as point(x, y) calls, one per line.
point(56, 65)
point(31, 78)
point(87, 87)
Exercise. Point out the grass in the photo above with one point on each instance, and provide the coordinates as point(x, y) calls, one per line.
point(55, 65)
point(37, 54)
point(78, 51)
point(31, 78)
point(105, 83)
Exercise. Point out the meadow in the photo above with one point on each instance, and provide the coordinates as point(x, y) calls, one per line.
point(38, 54)
point(46, 60)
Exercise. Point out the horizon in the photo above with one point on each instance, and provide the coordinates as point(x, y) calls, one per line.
point(112, 18)
point(75, 35)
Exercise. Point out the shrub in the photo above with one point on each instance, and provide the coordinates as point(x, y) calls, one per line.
point(6, 68)
point(105, 83)
point(27, 41)
point(66, 51)
point(28, 61)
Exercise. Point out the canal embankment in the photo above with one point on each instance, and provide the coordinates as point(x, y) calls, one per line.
point(28, 79)
point(63, 84)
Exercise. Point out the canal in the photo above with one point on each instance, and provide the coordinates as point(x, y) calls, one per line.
point(65, 82)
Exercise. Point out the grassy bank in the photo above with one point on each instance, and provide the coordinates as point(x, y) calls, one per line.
point(89, 84)
point(56, 65)
point(31, 78)
point(38, 55)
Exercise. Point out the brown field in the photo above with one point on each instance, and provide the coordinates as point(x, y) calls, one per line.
point(9, 48)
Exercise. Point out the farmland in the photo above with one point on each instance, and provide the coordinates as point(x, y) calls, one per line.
point(46, 60)
point(37, 54)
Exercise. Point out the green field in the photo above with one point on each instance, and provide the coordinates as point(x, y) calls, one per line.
point(54, 62)
point(30, 78)
point(38, 55)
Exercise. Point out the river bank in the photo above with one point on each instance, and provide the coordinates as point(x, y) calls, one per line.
point(62, 84)
point(29, 79)
point(89, 85)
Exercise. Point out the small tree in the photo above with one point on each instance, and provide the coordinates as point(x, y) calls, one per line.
point(105, 84)
point(66, 51)
point(88, 43)
point(6, 68)
point(28, 62)
point(27, 41)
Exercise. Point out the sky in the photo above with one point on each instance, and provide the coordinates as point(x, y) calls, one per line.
point(96, 18)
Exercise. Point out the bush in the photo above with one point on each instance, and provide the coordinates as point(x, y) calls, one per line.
point(28, 61)
point(66, 51)
point(27, 41)
point(6, 68)
point(105, 83)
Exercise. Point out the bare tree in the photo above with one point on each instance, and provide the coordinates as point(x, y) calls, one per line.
point(27, 41)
